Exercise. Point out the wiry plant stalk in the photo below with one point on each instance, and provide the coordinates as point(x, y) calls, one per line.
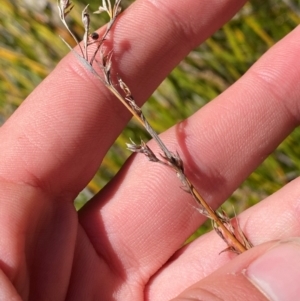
point(221, 222)
point(112, 12)
point(64, 8)
point(86, 23)
point(232, 235)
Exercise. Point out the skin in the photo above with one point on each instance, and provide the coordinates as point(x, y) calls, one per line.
point(123, 244)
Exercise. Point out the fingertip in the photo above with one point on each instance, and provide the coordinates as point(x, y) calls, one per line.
point(277, 272)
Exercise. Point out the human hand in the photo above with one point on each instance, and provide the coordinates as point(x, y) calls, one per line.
point(121, 245)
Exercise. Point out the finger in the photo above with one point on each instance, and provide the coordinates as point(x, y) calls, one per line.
point(268, 272)
point(277, 217)
point(37, 240)
point(220, 145)
point(7, 291)
point(58, 137)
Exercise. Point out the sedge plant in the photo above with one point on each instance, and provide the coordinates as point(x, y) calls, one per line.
point(229, 230)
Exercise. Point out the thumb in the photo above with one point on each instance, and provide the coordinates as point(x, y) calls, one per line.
point(268, 272)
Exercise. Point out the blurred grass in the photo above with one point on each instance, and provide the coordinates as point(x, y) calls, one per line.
point(30, 48)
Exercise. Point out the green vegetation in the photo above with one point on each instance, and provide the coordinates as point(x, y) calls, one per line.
point(30, 48)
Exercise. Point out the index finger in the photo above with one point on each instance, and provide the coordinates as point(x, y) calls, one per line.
point(58, 137)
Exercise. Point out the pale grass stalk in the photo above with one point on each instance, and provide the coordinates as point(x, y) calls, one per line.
point(231, 234)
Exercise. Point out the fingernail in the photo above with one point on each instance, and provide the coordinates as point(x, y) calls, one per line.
point(277, 272)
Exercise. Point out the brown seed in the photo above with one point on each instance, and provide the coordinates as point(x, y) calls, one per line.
point(95, 36)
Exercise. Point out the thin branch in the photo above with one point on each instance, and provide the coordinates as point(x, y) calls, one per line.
point(86, 24)
point(113, 14)
point(176, 163)
point(64, 8)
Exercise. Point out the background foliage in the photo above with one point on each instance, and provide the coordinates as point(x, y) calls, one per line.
point(30, 48)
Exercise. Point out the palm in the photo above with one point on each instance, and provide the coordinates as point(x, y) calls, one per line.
point(67, 260)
